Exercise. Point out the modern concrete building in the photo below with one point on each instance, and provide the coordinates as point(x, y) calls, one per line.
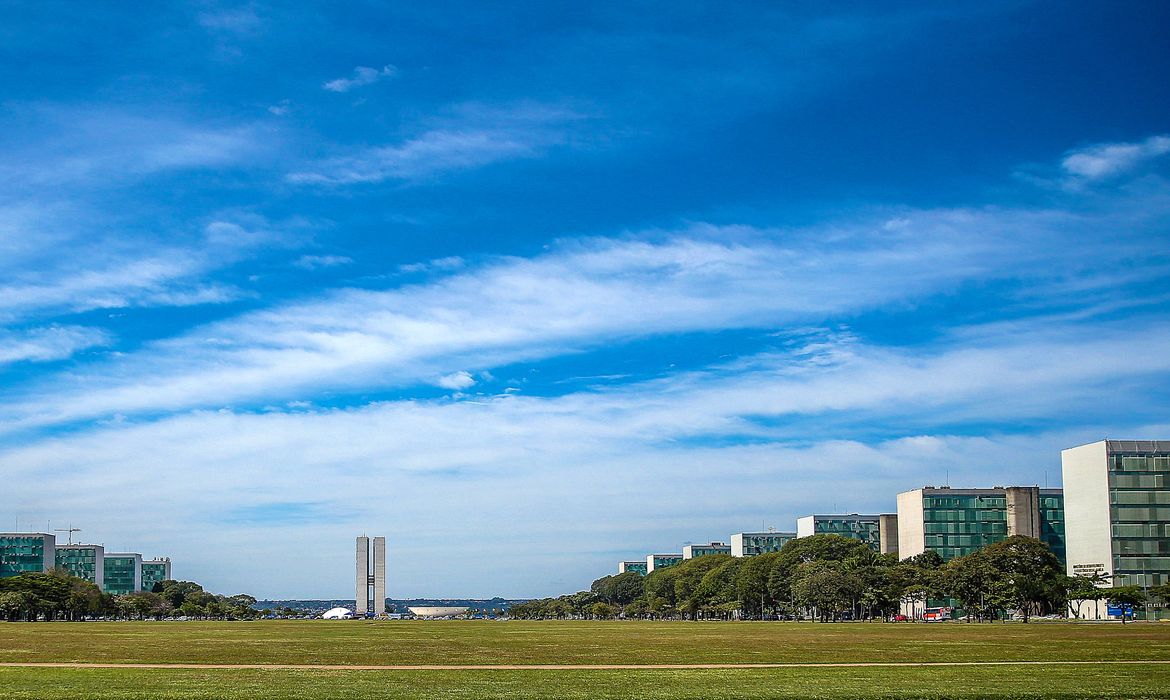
point(85, 561)
point(155, 571)
point(371, 576)
point(1117, 501)
point(22, 552)
point(957, 522)
point(123, 573)
point(866, 528)
point(662, 561)
point(638, 567)
point(749, 544)
point(701, 550)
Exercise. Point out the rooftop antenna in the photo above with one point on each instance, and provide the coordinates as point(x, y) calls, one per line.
point(70, 530)
point(948, 477)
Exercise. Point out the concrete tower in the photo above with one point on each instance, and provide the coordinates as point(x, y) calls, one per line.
point(370, 577)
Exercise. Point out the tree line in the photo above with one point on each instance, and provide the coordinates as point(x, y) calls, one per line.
point(57, 595)
point(830, 577)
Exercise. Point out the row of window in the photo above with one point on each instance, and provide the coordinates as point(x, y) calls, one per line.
point(972, 514)
point(1140, 497)
point(964, 528)
point(1142, 546)
point(1140, 464)
point(1139, 481)
point(964, 502)
point(1140, 514)
point(1140, 563)
point(1141, 530)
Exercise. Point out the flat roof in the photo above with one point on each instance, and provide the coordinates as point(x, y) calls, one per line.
point(766, 534)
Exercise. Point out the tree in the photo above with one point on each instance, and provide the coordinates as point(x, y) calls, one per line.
point(975, 582)
point(1126, 596)
point(1029, 574)
point(602, 611)
point(825, 587)
point(751, 584)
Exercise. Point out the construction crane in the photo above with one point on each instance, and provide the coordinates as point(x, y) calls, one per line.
point(70, 530)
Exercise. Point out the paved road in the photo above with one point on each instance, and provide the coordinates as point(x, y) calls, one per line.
point(562, 667)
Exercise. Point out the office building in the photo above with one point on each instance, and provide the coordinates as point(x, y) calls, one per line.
point(866, 528)
point(638, 567)
point(662, 561)
point(23, 552)
point(85, 561)
point(123, 573)
point(749, 544)
point(957, 522)
point(1117, 501)
point(155, 571)
point(371, 576)
point(701, 550)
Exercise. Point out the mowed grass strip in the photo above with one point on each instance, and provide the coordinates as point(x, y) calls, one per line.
point(970, 682)
point(488, 642)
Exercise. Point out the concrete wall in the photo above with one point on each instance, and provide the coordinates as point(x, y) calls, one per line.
point(888, 532)
point(362, 578)
point(737, 545)
point(1087, 523)
point(911, 532)
point(1023, 511)
point(806, 526)
point(379, 575)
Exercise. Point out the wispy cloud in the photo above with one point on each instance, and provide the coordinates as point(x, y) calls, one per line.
point(1106, 160)
point(98, 146)
point(313, 262)
point(51, 343)
point(362, 75)
point(98, 275)
point(476, 137)
point(583, 294)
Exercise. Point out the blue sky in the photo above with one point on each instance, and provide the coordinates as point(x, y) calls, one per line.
point(533, 288)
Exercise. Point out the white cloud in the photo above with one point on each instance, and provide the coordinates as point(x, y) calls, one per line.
point(510, 469)
point(108, 274)
point(585, 294)
point(362, 75)
point(475, 137)
point(313, 262)
point(51, 343)
point(1105, 160)
point(94, 147)
point(456, 380)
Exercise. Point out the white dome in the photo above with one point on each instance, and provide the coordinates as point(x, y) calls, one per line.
point(338, 614)
point(437, 611)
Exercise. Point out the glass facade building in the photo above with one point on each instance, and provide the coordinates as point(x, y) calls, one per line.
point(859, 527)
point(24, 552)
point(638, 567)
point(701, 550)
point(1117, 496)
point(1139, 508)
point(958, 522)
point(749, 544)
point(85, 561)
point(155, 571)
point(123, 573)
point(662, 561)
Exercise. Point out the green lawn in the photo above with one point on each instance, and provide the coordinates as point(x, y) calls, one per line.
point(973, 682)
point(482, 642)
point(487, 642)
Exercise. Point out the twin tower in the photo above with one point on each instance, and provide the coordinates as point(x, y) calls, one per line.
point(371, 577)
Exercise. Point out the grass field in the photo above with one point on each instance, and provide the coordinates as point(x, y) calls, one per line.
point(531, 643)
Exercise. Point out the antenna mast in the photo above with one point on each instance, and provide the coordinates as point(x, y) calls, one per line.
point(70, 530)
